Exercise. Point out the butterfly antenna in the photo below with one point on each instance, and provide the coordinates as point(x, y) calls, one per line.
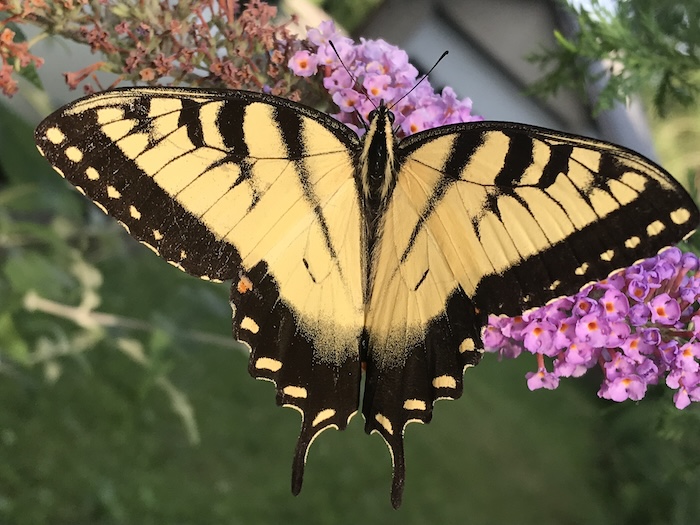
point(444, 54)
point(354, 81)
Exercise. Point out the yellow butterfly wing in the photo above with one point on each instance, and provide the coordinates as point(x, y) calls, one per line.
point(495, 218)
point(243, 186)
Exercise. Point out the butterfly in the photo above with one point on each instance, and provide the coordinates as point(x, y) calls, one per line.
point(370, 255)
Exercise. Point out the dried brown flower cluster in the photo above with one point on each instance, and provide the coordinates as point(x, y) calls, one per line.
point(207, 43)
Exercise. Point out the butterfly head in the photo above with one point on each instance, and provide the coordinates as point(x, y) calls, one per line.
point(381, 113)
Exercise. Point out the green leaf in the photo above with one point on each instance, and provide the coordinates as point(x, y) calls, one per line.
point(28, 270)
point(652, 48)
point(564, 42)
point(19, 157)
point(13, 344)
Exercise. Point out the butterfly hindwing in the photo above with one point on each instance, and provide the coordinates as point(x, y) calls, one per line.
point(324, 391)
point(243, 186)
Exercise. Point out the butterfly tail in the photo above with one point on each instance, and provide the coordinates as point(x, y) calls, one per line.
point(398, 476)
point(299, 462)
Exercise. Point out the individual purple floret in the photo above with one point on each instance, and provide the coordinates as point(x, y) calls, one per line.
point(640, 327)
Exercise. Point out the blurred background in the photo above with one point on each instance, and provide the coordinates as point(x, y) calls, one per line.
point(124, 399)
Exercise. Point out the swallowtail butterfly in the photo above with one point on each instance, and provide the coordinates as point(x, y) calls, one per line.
point(352, 255)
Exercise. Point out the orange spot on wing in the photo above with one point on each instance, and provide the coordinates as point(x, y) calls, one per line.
point(244, 285)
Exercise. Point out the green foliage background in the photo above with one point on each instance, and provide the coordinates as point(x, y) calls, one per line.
point(649, 47)
point(123, 400)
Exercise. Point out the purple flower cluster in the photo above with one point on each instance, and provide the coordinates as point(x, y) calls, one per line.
point(641, 326)
point(379, 72)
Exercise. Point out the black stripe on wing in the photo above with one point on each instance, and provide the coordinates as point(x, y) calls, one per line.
point(577, 261)
point(634, 231)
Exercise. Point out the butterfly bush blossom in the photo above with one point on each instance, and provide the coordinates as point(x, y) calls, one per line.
point(380, 72)
point(639, 326)
point(205, 43)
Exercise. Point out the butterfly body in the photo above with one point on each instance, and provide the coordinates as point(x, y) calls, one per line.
point(376, 172)
point(351, 254)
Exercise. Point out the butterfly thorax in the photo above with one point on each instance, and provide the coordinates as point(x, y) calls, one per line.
point(377, 170)
point(377, 163)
